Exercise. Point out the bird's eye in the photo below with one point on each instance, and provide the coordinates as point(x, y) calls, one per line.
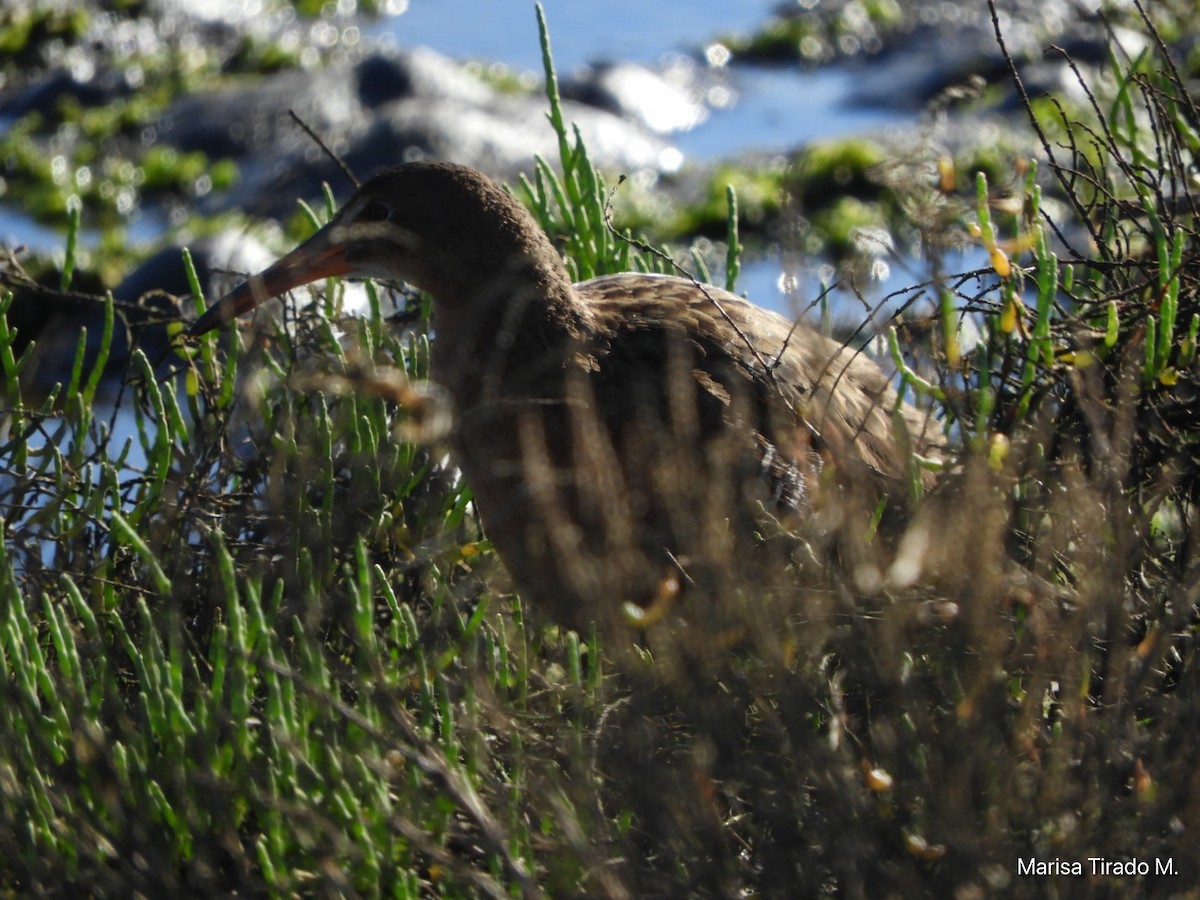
point(376, 212)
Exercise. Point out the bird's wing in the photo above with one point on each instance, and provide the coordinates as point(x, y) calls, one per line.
point(839, 394)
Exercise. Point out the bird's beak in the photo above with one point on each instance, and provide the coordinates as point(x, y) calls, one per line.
point(321, 256)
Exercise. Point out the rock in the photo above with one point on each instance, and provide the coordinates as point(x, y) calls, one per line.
point(388, 107)
point(664, 102)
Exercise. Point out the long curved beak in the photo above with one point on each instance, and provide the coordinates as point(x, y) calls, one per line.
point(318, 257)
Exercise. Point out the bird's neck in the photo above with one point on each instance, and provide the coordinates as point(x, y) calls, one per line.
point(520, 323)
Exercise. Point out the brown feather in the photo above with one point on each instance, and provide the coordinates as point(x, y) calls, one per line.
point(609, 430)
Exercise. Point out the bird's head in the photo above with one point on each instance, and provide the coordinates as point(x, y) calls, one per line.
point(445, 229)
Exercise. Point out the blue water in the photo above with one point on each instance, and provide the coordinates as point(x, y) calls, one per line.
point(580, 31)
point(19, 230)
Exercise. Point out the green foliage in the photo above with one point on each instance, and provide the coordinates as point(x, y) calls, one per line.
point(760, 193)
point(573, 207)
point(225, 642)
point(24, 26)
point(808, 35)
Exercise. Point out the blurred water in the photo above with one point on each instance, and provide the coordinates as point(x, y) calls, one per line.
point(19, 230)
point(580, 32)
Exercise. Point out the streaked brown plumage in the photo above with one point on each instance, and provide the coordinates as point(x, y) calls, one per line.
point(609, 428)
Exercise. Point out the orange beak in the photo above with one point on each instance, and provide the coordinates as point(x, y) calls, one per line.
point(317, 258)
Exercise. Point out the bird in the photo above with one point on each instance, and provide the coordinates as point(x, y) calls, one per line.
point(613, 432)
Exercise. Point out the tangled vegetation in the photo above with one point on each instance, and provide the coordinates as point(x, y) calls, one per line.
point(253, 639)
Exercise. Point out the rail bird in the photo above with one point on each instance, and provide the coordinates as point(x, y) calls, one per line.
point(616, 431)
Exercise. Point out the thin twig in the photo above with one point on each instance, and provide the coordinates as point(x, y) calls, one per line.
point(341, 163)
